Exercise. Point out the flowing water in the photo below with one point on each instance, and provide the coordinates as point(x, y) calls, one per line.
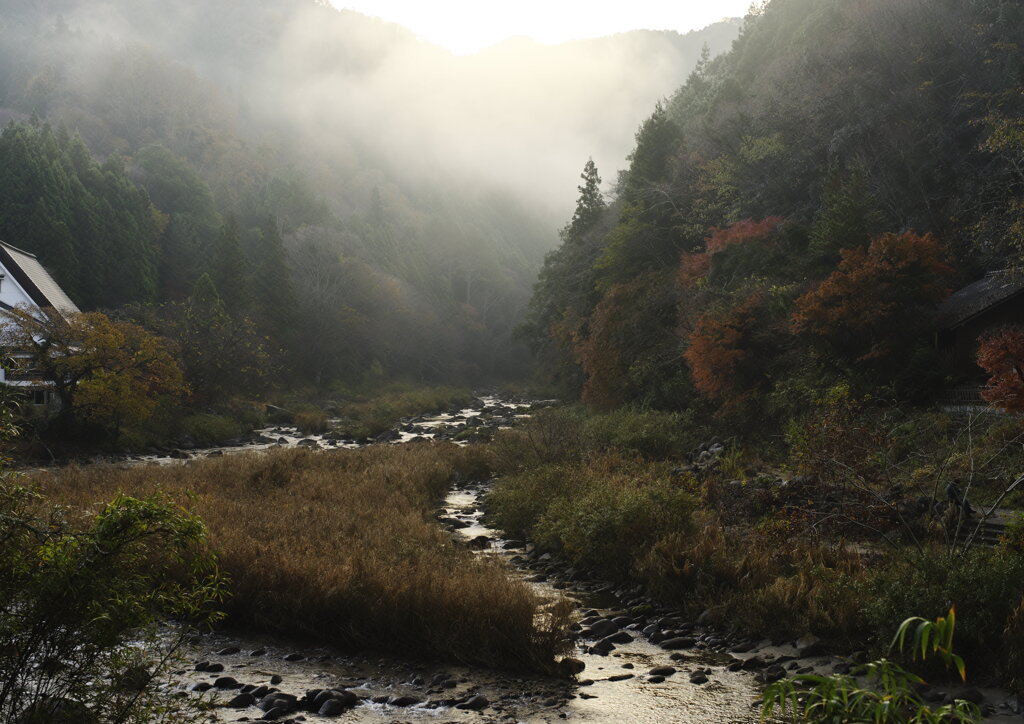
point(613, 687)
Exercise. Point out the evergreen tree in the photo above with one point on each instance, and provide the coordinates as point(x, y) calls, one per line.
point(272, 283)
point(589, 206)
point(228, 269)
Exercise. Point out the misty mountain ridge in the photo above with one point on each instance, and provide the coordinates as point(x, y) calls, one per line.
point(427, 185)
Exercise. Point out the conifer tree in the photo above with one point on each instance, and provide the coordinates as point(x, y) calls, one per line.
point(272, 283)
point(229, 272)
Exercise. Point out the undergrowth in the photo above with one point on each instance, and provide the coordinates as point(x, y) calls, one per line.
point(342, 547)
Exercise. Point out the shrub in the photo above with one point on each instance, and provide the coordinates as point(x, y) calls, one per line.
point(882, 691)
point(312, 422)
point(207, 429)
point(601, 514)
point(652, 434)
point(72, 594)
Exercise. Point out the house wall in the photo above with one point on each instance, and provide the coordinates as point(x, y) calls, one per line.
point(11, 293)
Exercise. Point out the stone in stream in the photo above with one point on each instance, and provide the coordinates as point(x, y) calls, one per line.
point(662, 671)
point(241, 701)
point(619, 637)
point(570, 666)
point(276, 679)
point(228, 651)
point(404, 701)
point(226, 682)
point(655, 679)
point(698, 677)
point(601, 628)
point(331, 707)
point(678, 642)
point(620, 677)
point(258, 652)
point(294, 657)
point(474, 703)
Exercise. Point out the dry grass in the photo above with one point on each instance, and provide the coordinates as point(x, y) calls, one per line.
point(311, 423)
point(341, 547)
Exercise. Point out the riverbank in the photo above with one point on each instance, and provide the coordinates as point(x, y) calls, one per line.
point(767, 555)
point(340, 546)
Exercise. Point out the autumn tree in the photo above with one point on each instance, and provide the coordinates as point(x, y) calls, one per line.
point(872, 310)
point(1001, 355)
point(730, 347)
point(104, 373)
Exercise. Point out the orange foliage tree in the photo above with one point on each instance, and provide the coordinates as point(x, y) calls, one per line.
point(1001, 354)
point(104, 372)
point(722, 351)
point(874, 304)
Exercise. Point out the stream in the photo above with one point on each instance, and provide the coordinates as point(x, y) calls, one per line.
point(640, 663)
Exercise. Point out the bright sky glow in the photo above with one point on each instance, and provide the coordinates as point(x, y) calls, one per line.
point(466, 26)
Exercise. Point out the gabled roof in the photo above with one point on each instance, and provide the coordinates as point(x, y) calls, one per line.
point(990, 291)
point(35, 280)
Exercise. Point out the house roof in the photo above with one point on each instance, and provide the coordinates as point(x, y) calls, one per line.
point(990, 291)
point(35, 280)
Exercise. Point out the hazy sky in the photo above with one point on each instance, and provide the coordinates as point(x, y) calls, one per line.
point(465, 26)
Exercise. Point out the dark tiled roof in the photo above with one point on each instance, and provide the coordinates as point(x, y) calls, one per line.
point(990, 291)
point(35, 280)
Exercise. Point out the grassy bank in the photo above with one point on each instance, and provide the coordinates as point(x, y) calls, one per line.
point(842, 533)
point(342, 547)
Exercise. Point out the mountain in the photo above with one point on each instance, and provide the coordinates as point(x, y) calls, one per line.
point(437, 180)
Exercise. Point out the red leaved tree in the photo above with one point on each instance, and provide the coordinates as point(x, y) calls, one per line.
point(1001, 354)
point(722, 352)
point(877, 301)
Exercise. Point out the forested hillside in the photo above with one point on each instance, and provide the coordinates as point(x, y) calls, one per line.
point(371, 204)
point(793, 214)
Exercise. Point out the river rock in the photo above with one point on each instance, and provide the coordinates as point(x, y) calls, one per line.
point(619, 637)
point(226, 682)
point(698, 678)
point(404, 701)
point(771, 674)
point(474, 703)
point(655, 679)
point(331, 707)
point(294, 657)
point(662, 671)
point(602, 628)
point(620, 677)
point(241, 701)
point(570, 667)
point(678, 642)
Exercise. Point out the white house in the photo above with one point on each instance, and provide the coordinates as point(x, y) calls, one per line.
point(25, 283)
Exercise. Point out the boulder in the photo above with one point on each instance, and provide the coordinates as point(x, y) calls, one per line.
point(474, 703)
point(241, 701)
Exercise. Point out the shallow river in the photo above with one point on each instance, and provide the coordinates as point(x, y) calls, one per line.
point(703, 684)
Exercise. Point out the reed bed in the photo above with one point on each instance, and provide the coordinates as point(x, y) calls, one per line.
point(342, 547)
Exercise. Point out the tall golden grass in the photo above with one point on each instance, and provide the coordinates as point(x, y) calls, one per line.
point(342, 547)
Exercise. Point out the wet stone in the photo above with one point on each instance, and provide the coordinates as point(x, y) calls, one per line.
point(474, 703)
